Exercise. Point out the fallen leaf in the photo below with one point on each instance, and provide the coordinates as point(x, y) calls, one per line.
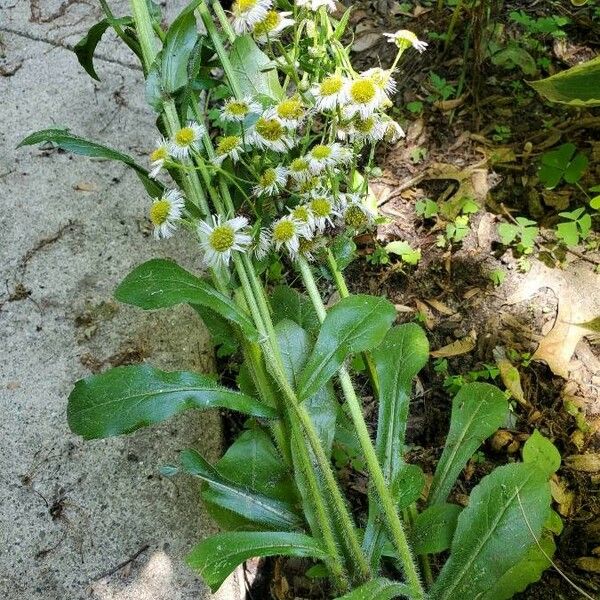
point(440, 307)
point(445, 105)
point(578, 305)
point(462, 346)
point(401, 308)
point(510, 376)
point(562, 496)
point(426, 314)
point(589, 563)
point(84, 186)
point(587, 463)
point(366, 41)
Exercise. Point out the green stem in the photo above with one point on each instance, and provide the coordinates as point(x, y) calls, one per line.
point(394, 524)
point(145, 31)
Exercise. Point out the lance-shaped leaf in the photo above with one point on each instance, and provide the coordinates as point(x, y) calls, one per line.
point(127, 398)
point(478, 410)
point(216, 557)
point(355, 324)
point(161, 283)
point(505, 515)
point(85, 48)
point(290, 304)
point(254, 71)
point(242, 500)
point(179, 43)
point(378, 589)
point(78, 145)
point(434, 528)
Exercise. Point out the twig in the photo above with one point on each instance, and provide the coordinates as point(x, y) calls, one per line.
point(123, 564)
point(571, 583)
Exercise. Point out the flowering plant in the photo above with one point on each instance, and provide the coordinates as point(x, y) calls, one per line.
point(267, 144)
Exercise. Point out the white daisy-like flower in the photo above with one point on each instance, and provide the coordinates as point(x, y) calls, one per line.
point(371, 129)
point(263, 245)
point(165, 212)
point(355, 213)
point(299, 170)
point(247, 13)
point(272, 26)
point(328, 93)
point(289, 112)
point(404, 39)
point(362, 96)
point(228, 146)
point(314, 5)
point(323, 209)
point(303, 214)
point(218, 240)
point(185, 140)
point(269, 134)
point(393, 133)
point(236, 111)
point(158, 156)
point(287, 232)
point(324, 156)
point(271, 181)
point(382, 79)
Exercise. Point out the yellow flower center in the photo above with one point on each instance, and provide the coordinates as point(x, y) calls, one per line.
point(159, 211)
point(222, 238)
point(364, 125)
point(321, 207)
point(237, 108)
point(185, 136)
point(243, 6)
point(284, 231)
point(309, 186)
point(321, 152)
point(159, 153)
point(355, 217)
point(298, 165)
point(300, 213)
point(331, 85)
point(363, 91)
point(269, 129)
point(227, 144)
point(267, 25)
point(268, 178)
point(290, 109)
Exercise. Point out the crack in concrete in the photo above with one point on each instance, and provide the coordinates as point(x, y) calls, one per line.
point(65, 46)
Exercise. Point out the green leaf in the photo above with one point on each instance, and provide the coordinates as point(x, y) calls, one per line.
point(78, 145)
point(216, 557)
point(254, 71)
point(126, 398)
point(378, 589)
point(404, 250)
point(179, 43)
point(562, 163)
point(290, 304)
point(433, 529)
point(525, 572)
point(541, 453)
point(493, 534)
point(355, 324)
point(568, 233)
point(242, 500)
point(478, 410)
point(577, 86)
point(574, 172)
point(85, 48)
point(221, 332)
point(161, 283)
point(340, 28)
point(516, 56)
point(508, 233)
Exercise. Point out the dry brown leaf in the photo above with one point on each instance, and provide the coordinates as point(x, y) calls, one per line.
point(510, 376)
point(401, 308)
point(462, 346)
point(426, 314)
point(366, 41)
point(445, 105)
point(588, 463)
point(562, 496)
point(578, 302)
point(589, 563)
point(440, 306)
point(84, 186)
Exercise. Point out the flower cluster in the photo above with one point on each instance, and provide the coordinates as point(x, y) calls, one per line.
point(294, 162)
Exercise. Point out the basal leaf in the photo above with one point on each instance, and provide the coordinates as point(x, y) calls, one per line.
point(433, 529)
point(126, 398)
point(240, 499)
point(179, 43)
point(78, 145)
point(355, 324)
point(254, 70)
point(495, 532)
point(378, 589)
point(541, 453)
point(85, 48)
point(221, 332)
point(216, 557)
point(290, 304)
point(478, 410)
point(161, 283)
